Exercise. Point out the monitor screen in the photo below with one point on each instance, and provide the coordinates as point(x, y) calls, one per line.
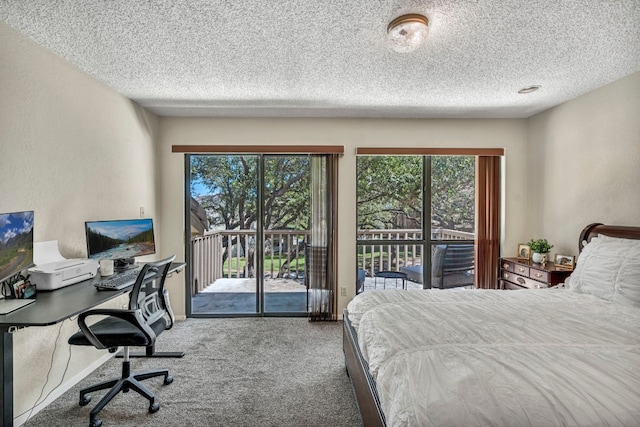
point(16, 243)
point(120, 240)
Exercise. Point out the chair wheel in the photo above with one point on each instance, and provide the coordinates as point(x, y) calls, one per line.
point(95, 423)
point(154, 407)
point(84, 400)
point(168, 380)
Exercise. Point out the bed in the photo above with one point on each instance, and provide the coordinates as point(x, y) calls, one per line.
point(567, 356)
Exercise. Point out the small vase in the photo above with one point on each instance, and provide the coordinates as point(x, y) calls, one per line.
point(538, 258)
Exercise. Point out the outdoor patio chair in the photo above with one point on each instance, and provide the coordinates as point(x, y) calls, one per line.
point(452, 266)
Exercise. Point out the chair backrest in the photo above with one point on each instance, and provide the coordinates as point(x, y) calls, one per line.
point(451, 259)
point(149, 295)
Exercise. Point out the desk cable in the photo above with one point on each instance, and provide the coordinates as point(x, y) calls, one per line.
point(41, 399)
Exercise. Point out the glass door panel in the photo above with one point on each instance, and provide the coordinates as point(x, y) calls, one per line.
point(416, 219)
point(453, 198)
point(390, 216)
point(223, 216)
point(286, 213)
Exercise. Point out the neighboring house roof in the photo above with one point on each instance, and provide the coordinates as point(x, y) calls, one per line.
point(199, 221)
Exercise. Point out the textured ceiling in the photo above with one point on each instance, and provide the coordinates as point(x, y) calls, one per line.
point(330, 58)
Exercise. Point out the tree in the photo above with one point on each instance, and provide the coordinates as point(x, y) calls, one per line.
point(231, 195)
point(453, 192)
point(389, 189)
point(390, 195)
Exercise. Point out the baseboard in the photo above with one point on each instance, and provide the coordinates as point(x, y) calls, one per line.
point(61, 389)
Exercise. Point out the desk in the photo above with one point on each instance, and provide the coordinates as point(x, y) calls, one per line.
point(51, 307)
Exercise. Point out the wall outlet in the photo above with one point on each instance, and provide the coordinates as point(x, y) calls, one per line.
point(343, 292)
point(141, 211)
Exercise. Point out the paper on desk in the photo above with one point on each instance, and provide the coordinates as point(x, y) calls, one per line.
point(46, 252)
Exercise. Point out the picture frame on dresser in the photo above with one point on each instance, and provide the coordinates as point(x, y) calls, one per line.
point(524, 251)
point(564, 261)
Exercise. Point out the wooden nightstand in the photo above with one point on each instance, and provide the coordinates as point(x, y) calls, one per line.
point(523, 274)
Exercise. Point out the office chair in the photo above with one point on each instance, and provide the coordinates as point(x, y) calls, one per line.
point(148, 315)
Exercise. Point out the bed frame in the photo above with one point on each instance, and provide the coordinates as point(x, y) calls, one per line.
point(358, 370)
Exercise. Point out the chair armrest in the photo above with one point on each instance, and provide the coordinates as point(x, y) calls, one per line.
point(167, 306)
point(134, 317)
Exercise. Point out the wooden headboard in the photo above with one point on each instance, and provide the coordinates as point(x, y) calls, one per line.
point(594, 229)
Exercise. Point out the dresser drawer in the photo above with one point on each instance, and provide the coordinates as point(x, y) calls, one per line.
point(506, 265)
point(521, 270)
point(539, 275)
point(520, 281)
point(510, 286)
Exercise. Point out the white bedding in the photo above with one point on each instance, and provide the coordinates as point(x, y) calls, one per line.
point(549, 357)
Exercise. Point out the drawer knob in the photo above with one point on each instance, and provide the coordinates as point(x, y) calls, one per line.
point(521, 270)
point(505, 265)
point(538, 275)
point(537, 286)
point(505, 275)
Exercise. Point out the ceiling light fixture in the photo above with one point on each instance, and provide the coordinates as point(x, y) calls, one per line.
point(529, 89)
point(406, 33)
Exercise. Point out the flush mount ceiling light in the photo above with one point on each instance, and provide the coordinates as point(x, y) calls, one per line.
point(406, 33)
point(529, 89)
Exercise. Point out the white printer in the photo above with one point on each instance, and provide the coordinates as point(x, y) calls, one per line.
point(52, 271)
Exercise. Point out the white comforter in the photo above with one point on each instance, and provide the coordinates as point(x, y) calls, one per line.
point(547, 357)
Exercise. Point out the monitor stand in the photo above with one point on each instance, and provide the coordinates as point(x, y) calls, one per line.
point(123, 264)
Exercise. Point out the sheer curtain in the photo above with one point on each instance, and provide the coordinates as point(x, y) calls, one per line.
point(322, 251)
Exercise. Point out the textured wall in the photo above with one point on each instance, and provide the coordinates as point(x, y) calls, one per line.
point(71, 150)
point(584, 164)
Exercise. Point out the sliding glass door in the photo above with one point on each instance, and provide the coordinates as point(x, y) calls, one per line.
point(416, 221)
point(249, 224)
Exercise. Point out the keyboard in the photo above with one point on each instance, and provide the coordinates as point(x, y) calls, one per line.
point(118, 281)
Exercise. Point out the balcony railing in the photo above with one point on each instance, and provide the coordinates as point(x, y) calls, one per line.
point(230, 253)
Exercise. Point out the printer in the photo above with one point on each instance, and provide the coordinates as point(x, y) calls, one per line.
point(52, 271)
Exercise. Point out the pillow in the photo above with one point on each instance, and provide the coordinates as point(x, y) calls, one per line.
point(609, 268)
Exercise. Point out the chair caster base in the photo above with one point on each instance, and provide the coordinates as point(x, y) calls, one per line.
point(154, 407)
point(168, 380)
point(95, 423)
point(84, 400)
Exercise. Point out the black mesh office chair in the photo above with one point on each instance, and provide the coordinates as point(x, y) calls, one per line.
point(148, 315)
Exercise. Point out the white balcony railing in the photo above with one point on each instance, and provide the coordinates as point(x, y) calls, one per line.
point(230, 253)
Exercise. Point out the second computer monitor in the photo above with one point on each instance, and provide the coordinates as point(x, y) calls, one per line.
point(120, 240)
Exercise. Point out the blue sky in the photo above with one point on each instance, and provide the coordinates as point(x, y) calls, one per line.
point(12, 224)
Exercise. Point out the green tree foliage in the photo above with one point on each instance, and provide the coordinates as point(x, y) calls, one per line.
point(453, 192)
point(231, 200)
point(390, 195)
point(389, 188)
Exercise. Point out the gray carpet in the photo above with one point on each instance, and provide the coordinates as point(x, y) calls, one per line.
point(236, 372)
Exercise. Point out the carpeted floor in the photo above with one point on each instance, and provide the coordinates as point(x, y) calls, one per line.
point(236, 372)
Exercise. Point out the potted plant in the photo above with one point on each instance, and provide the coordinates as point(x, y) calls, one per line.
point(539, 249)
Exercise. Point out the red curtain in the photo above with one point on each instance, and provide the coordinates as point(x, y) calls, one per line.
point(487, 221)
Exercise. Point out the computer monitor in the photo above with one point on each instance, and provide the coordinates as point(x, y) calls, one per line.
point(120, 240)
point(16, 243)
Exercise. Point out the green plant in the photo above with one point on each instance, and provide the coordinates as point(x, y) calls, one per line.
point(541, 246)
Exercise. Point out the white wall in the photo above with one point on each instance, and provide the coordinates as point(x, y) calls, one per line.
point(71, 150)
point(508, 134)
point(584, 164)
